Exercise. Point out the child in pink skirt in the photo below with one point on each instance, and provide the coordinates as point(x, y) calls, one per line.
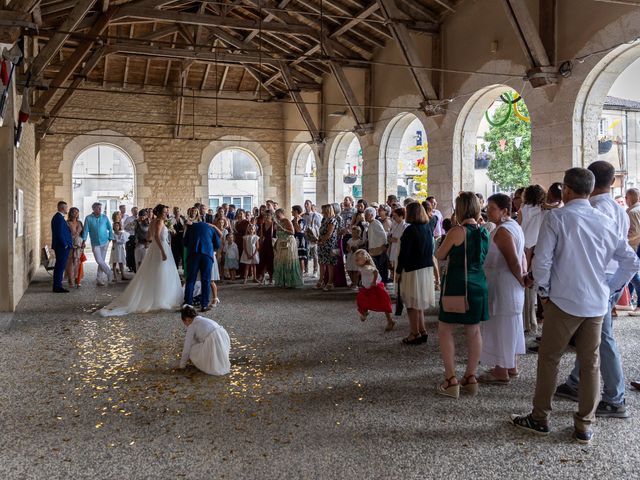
point(372, 295)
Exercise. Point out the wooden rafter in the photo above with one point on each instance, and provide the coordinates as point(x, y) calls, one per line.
point(347, 92)
point(299, 101)
point(527, 33)
point(126, 62)
point(213, 21)
point(407, 46)
point(73, 62)
point(57, 39)
point(91, 63)
point(541, 72)
point(184, 75)
point(223, 79)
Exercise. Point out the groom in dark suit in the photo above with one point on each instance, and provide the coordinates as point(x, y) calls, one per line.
point(62, 244)
point(201, 241)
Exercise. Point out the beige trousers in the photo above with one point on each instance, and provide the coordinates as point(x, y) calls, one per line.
point(558, 329)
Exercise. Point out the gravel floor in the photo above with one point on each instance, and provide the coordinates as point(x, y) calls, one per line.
point(313, 393)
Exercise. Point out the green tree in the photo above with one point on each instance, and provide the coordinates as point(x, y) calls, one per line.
point(511, 167)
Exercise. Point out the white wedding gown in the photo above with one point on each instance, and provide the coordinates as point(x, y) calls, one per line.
point(156, 285)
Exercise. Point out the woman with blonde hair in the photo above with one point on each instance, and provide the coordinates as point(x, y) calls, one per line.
point(465, 296)
point(327, 247)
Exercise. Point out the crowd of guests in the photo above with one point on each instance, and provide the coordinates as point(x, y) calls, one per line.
point(560, 257)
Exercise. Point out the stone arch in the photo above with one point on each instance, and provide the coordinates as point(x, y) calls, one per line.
point(103, 137)
point(591, 97)
point(336, 163)
point(466, 131)
point(390, 148)
point(237, 142)
point(296, 172)
point(377, 167)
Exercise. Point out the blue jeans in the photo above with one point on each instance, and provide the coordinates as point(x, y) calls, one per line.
point(634, 284)
point(610, 362)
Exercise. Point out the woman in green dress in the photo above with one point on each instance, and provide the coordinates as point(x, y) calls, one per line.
point(286, 266)
point(467, 211)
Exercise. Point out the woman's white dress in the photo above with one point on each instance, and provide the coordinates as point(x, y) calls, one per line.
point(207, 345)
point(503, 333)
point(156, 285)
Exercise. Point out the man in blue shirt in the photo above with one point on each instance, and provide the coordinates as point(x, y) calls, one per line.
point(98, 228)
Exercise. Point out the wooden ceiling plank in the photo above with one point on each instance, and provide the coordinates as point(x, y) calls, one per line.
point(225, 72)
point(528, 36)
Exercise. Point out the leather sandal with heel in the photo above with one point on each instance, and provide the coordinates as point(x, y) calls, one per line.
point(449, 389)
point(468, 387)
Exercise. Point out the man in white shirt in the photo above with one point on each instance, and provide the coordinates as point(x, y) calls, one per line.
point(575, 246)
point(129, 223)
point(313, 220)
point(613, 403)
point(377, 243)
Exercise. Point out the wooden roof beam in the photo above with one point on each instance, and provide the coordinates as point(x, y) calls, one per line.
point(409, 52)
point(73, 61)
point(92, 61)
point(541, 72)
point(214, 21)
point(348, 93)
point(57, 40)
point(299, 101)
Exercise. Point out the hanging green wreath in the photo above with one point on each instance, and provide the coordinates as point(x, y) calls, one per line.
point(502, 121)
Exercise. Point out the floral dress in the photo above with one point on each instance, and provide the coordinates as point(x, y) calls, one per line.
point(326, 255)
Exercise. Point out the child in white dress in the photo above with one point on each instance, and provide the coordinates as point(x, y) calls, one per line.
point(231, 257)
point(118, 256)
point(353, 245)
point(206, 343)
point(250, 256)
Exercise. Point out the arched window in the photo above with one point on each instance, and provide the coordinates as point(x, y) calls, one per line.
point(105, 174)
point(492, 142)
point(346, 166)
point(404, 148)
point(235, 177)
point(303, 175)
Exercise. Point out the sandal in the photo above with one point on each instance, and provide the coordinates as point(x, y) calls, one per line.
point(468, 387)
point(449, 389)
point(389, 326)
point(424, 336)
point(490, 379)
point(328, 287)
point(412, 340)
point(319, 286)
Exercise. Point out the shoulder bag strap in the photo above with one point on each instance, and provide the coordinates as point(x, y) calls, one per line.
point(465, 261)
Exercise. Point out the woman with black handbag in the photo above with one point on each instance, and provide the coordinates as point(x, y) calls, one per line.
point(465, 295)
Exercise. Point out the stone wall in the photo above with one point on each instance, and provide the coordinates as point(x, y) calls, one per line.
point(168, 170)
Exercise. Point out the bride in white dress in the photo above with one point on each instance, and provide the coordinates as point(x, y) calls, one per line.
point(156, 285)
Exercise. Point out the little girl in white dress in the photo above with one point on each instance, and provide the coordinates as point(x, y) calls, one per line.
point(250, 255)
point(118, 256)
point(206, 344)
point(231, 257)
